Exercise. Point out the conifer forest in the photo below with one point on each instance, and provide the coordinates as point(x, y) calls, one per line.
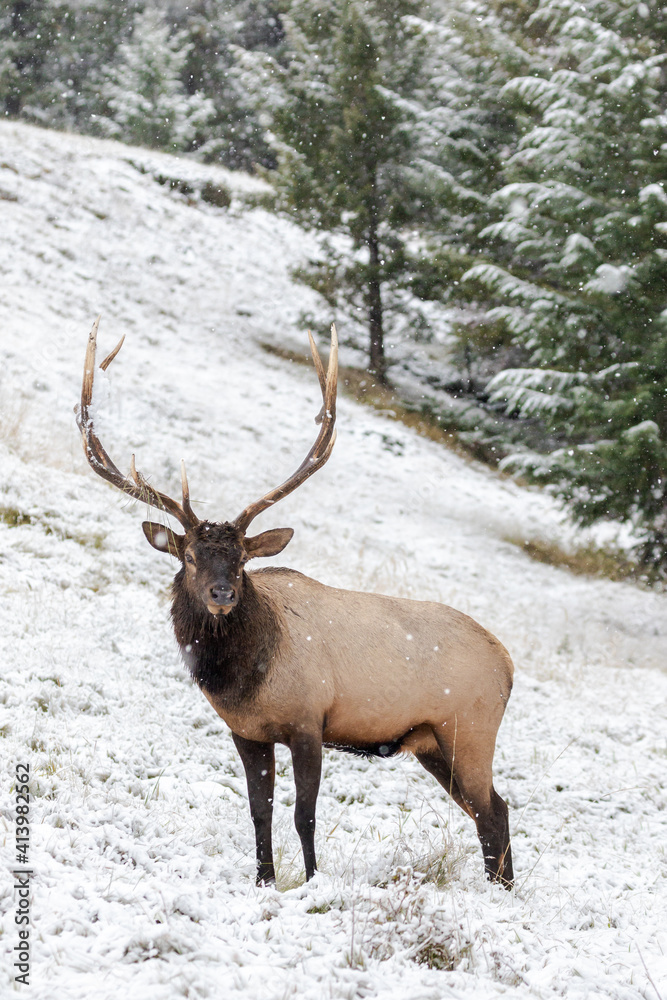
point(486, 179)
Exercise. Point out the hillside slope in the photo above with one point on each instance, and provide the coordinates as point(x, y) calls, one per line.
point(141, 836)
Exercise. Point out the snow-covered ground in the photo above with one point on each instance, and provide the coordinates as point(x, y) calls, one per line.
point(142, 844)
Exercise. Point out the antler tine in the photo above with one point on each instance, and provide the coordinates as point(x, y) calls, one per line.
point(100, 461)
point(186, 495)
point(318, 360)
point(321, 449)
point(319, 368)
point(109, 358)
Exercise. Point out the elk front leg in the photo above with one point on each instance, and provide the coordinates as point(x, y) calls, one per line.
point(259, 763)
point(306, 752)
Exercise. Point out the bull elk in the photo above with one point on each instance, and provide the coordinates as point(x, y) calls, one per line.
point(285, 659)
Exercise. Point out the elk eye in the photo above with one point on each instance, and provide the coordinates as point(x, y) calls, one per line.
point(188, 558)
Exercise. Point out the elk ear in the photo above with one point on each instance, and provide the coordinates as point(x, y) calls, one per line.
point(269, 543)
point(163, 539)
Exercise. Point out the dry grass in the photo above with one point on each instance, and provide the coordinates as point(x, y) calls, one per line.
point(24, 434)
point(404, 919)
point(13, 418)
point(589, 560)
point(14, 517)
point(442, 866)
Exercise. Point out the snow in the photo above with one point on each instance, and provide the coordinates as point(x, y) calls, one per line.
point(610, 279)
point(647, 428)
point(141, 837)
point(653, 192)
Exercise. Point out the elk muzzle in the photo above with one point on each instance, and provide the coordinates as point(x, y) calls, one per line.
point(221, 598)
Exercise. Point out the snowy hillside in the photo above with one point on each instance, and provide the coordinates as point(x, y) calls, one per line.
point(142, 843)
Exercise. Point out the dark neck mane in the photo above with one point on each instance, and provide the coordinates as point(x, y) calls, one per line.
point(231, 656)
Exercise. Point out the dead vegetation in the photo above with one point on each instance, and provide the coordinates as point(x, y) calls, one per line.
point(13, 517)
point(587, 560)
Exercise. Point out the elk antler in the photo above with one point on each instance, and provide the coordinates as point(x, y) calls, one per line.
point(100, 462)
point(321, 450)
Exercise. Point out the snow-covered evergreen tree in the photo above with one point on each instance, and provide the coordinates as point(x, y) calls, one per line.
point(53, 57)
point(357, 138)
point(147, 101)
point(214, 33)
point(96, 30)
point(32, 37)
point(577, 275)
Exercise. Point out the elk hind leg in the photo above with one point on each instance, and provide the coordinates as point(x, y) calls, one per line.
point(474, 780)
point(434, 762)
point(495, 841)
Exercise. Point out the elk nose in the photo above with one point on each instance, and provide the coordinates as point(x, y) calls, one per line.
point(222, 594)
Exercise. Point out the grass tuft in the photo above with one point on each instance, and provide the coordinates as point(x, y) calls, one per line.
point(407, 918)
point(441, 867)
point(440, 954)
point(14, 517)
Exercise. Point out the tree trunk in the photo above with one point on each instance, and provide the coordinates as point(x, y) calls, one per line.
point(378, 362)
point(14, 96)
point(12, 105)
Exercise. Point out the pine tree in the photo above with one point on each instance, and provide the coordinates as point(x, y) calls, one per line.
point(53, 58)
point(214, 34)
point(468, 134)
point(348, 161)
point(31, 34)
point(147, 101)
point(95, 31)
point(578, 272)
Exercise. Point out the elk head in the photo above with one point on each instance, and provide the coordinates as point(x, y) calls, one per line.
point(212, 554)
point(213, 557)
